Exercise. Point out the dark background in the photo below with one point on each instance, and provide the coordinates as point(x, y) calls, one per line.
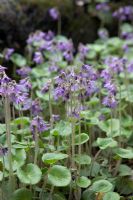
point(18, 18)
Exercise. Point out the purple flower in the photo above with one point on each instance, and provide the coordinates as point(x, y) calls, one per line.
point(65, 46)
point(109, 101)
point(110, 87)
point(38, 125)
point(38, 58)
point(3, 151)
point(49, 36)
point(91, 88)
point(68, 56)
point(103, 33)
point(24, 71)
point(8, 52)
point(59, 92)
point(2, 69)
point(130, 67)
point(35, 107)
point(106, 75)
point(101, 117)
point(46, 88)
point(83, 50)
point(124, 13)
point(115, 64)
point(53, 68)
point(36, 37)
point(55, 117)
point(102, 7)
point(54, 13)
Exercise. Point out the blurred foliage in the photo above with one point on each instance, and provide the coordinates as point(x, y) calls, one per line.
point(20, 17)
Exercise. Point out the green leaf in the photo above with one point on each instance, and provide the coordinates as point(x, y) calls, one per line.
point(81, 139)
point(51, 158)
point(124, 153)
point(2, 128)
point(104, 143)
point(124, 170)
point(64, 128)
point(124, 185)
point(21, 120)
point(58, 197)
point(59, 176)
point(83, 159)
point(18, 59)
point(88, 195)
point(30, 174)
point(18, 159)
point(111, 127)
point(22, 194)
point(111, 195)
point(83, 182)
point(102, 186)
point(1, 176)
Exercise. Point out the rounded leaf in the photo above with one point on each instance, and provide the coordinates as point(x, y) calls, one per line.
point(59, 176)
point(22, 194)
point(51, 158)
point(104, 143)
point(83, 159)
point(30, 174)
point(81, 139)
point(111, 195)
point(83, 182)
point(125, 153)
point(18, 159)
point(102, 186)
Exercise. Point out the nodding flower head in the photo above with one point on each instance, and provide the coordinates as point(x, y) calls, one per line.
point(54, 13)
point(124, 13)
point(35, 107)
point(38, 58)
point(24, 71)
point(8, 52)
point(2, 69)
point(38, 125)
point(110, 101)
point(3, 151)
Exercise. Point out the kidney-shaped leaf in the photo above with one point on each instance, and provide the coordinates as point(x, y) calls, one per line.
point(51, 158)
point(18, 159)
point(59, 176)
point(83, 159)
point(18, 60)
point(64, 128)
point(111, 195)
point(102, 186)
point(81, 139)
point(104, 143)
point(83, 182)
point(125, 153)
point(30, 174)
point(22, 194)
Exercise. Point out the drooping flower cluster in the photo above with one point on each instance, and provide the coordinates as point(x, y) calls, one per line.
point(68, 83)
point(38, 125)
point(45, 44)
point(124, 13)
point(115, 65)
point(7, 53)
point(103, 7)
point(83, 51)
point(54, 13)
point(24, 71)
point(17, 93)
